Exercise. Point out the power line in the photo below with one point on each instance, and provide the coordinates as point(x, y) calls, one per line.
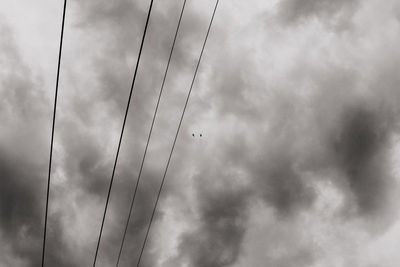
point(150, 132)
point(176, 136)
point(52, 132)
point(122, 131)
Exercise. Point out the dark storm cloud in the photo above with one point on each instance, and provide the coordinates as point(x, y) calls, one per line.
point(359, 150)
point(353, 131)
point(351, 138)
point(353, 135)
point(277, 132)
point(223, 203)
point(296, 10)
point(20, 215)
point(271, 162)
point(281, 185)
point(22, 164)
point(217, 238)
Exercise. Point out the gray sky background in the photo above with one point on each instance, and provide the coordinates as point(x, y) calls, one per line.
point(298, 103)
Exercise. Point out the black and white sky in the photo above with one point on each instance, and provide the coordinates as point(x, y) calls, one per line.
point(298, 103)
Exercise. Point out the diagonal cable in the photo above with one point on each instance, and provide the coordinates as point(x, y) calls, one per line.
point(52, 132)
point(122, 131)
point(149, 135)
point(176, 136)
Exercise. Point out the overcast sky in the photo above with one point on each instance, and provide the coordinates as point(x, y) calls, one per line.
point(297, 101)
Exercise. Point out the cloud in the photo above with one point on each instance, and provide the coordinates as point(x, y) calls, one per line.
point(23, 165)
point(358, 150)
point(20, 212)
point(293, 11)
point(216, 241)
point(298, 157)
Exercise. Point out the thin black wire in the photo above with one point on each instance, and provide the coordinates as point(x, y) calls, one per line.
point(122, 131)
point(176, 136)
point(150, 133)
point(52, 133)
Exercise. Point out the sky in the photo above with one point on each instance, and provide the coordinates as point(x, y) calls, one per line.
point(297, 102)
